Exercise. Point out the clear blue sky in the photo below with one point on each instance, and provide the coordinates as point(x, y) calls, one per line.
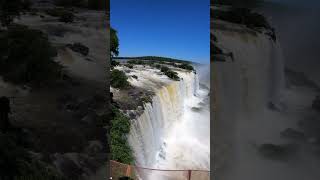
point(171, 28)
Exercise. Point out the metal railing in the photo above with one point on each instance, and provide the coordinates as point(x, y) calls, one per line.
point(120, 170)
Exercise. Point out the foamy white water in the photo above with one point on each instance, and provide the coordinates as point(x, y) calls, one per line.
point(174, 130)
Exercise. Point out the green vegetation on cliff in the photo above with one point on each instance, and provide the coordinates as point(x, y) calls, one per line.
point(114, 64)
point(114, 44)
point(185, 66)
point(16, 161)
point(120, 127)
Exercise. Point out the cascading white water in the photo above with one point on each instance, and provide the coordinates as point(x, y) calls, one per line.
point(250, 91)
point(257, 73)
point(173, 132)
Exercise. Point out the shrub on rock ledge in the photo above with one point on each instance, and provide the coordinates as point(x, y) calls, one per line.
point(130, 66)
point(164, 69)
point(26, 56)
point(114, 64)
point(171, 74)
point(63, 14)
point(119, 79)
point(79, 48)
point(186, 66)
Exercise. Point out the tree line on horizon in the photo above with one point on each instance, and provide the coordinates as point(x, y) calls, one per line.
point(91, 4)
point(155, 58)
point(237, 3)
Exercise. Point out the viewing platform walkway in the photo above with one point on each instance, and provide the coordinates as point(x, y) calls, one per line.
point(119, 170)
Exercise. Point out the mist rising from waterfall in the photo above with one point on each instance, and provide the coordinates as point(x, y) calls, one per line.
point(297, 28)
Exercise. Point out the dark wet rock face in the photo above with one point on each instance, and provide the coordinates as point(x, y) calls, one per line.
point(90, 118)
point(292, 134)
point(75, 164)
point(316, 104)
point(79, 48)
point(68, 102)
point(275, 107)
point(299, 79)
point(277, 152)
point(66, 166)
point(214, 38)
point(218, 53)
point(134, 99)
point(216, 49)
point(242, 16)
point(311, 127)
point(94, 147)
point(196, 109)
point(59, 31)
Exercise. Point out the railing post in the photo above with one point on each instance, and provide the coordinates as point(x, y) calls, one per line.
point(189, 174)
point(128, 173)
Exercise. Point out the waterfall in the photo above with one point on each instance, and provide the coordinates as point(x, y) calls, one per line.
point(169, 134)
point(257, 73)
point(249, 92)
